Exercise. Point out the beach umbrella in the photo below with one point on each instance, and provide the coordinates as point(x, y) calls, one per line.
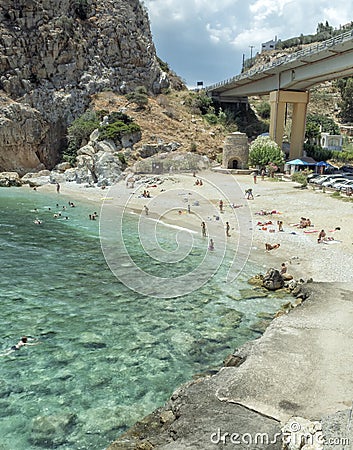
point(324, 164)
point(297, 162)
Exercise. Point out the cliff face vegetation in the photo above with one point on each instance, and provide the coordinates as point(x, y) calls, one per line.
point(54, 55)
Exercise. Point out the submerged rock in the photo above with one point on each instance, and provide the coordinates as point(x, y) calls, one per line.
point(51, 431)
point(252, 293)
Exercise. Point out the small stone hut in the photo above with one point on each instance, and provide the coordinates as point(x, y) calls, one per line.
point(236, 151)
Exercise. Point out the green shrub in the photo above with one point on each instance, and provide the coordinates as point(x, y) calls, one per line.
point(122, 159)
point(193, 147)
point(211, 118)
point(300, 177)
point(200, 103)
point(264, 110)
point(78, 132)
point(139, 97)
point(264, 151)
point(114, 131)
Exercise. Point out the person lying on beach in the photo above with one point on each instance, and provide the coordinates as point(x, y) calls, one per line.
point(321, 236)
point(269, 247)
point(264, 224)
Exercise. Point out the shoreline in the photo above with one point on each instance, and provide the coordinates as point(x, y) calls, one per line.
point(304, 257)
point(328, 265)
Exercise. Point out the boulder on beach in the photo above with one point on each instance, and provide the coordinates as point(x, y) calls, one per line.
point(273, 280)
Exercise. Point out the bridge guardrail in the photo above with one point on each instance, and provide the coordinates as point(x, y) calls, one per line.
point(316, 48)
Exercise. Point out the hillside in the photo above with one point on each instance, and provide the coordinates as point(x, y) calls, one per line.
point(167, 119)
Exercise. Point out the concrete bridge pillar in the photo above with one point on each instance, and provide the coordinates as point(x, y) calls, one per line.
point(278, 101)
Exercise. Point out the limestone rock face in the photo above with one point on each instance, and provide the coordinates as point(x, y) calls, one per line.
point(54, 54)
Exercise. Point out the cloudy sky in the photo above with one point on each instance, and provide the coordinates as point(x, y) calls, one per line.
point(204, 40)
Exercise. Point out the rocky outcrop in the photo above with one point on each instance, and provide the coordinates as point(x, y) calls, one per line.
point(8, 179)
point(172, 162)
point(54, 54)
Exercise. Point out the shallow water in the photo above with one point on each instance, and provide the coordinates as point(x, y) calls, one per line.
point(106, 355)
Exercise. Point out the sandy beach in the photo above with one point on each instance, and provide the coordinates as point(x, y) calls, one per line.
point(172, 195)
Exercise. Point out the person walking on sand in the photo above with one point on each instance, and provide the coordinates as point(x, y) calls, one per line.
point(58, 188)
point(227, 229)
point(254, 174)
point(221, 205)
point(203, 229)
point(146, 210)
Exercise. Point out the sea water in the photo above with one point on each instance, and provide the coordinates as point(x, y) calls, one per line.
point(105, 355)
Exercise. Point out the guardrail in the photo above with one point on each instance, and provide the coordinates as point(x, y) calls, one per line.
point(312, 49)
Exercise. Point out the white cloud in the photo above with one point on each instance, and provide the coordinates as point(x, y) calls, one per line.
point(205, 39)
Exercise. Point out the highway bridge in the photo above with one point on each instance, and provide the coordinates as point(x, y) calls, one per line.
point(288, 79)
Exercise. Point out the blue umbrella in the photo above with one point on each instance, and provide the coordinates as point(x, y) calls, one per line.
point(324, 164)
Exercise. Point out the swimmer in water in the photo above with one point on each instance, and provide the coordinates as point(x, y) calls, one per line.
point(21, 343)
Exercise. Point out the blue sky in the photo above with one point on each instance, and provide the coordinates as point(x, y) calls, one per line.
point(204, 40)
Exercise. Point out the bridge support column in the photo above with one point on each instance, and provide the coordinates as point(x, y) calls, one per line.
point(278, 101)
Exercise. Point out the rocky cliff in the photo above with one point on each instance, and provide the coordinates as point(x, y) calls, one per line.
point(54, 54)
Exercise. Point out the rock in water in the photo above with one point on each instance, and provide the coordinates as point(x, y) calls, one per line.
point(273, 280)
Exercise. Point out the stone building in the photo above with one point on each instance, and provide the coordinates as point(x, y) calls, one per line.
point(331, 141)
point(236, 151)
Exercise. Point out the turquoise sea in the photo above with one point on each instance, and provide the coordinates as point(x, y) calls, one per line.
point(105, 355)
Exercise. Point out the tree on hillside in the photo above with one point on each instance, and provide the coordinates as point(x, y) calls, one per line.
point(78, 134)
point(317, 123)
point(312, 131)
point(265, 151)
point(345, 86)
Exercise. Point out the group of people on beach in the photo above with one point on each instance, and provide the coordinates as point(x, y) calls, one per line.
point(304, 222)
point(198, 182)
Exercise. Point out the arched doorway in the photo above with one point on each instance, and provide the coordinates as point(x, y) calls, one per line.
point(233, 164)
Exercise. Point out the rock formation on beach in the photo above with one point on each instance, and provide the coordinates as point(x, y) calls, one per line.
point(54, 55)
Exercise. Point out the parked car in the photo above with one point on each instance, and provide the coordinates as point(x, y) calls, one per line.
point(347, 187)
point(331, 181)
point(338, 183)
point(324, 178)
point(319, 179)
